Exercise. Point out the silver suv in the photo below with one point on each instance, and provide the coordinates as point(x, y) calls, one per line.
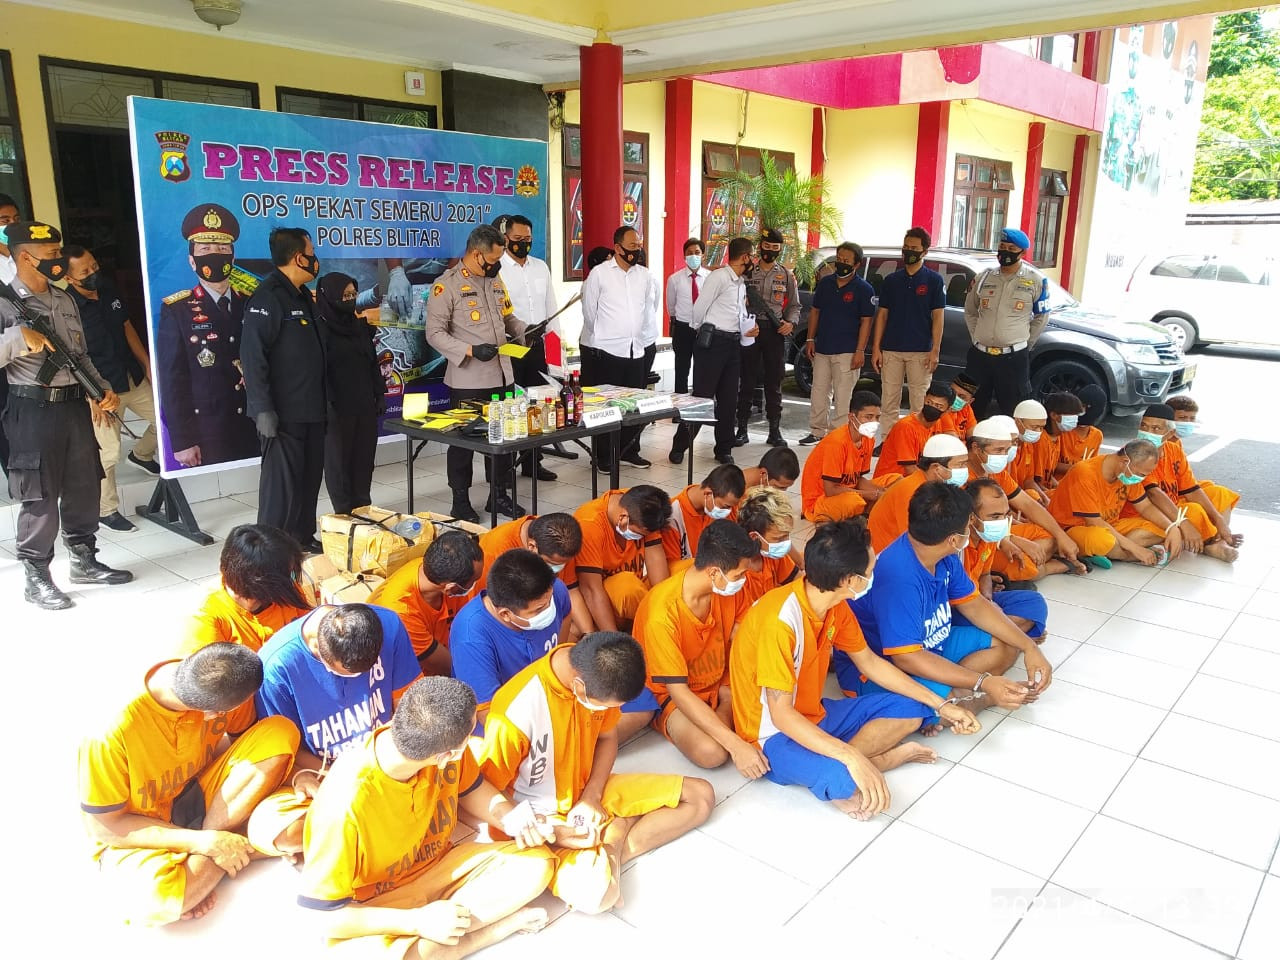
point(1135, 362)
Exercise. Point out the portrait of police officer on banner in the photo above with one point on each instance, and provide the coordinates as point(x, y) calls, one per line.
point(198, 371)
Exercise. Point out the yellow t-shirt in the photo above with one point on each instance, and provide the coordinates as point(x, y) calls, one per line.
point(221, 619)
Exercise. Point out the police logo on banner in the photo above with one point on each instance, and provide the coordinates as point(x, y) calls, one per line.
point(173, 156)
point(527, 184)
point(629, 212)
point(749, 219)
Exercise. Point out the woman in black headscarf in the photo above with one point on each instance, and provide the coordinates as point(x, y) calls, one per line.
point(356, 392)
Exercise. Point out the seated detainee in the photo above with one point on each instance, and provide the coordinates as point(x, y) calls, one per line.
point(716, 498)
point(989, 526)
point(907, 615)
point(961, 419)
point(906, 439)
point(428, 595)
point(1224, 500)
point(1089, 500)
point(556, 538)
point(1083, 441)
point(380, 863)
point(621, 543)
point(1024, 466)
point(779, 468)
point(336, 674)
point(260, 566)
point(766, 516)
point(685, 625)
point(1063, 412)
point(838, 748)
point(835, 484)
point(551, 739)
point(944, 458)
point(167, 787)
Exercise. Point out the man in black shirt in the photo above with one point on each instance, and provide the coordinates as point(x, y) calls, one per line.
point(284, 374)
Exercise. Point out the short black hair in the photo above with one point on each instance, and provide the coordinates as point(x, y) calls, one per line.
point(8, 201)
point(350, 637)
point(726, 480)
point(621, 234)
point(611, 665)
point(648, 506)
point(484, 238)
point(517, 578)
point(517, 218)
point(737, 247)
point(853, 248)
point(835, 551)
point(921, 234)
point(435, 716)
point(452, 558)
point(598, 255)
point(724, 544)
point(939, 389)
point(781, 463)
point(218, 677)
point(286, 243)
point(862, 399)
point(938, 510)
point(72, 251)
point(261, 564)
point(694, 242)
point(557, 535)
point(1063, 403)
point(975, 487)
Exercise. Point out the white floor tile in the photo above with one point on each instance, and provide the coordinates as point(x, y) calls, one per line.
point(1247, 665)
point(1272, 581)
point(1051, 763)
point(1133, 575)
point(1178, 614)
point(1192, 893)
point(1264, 604)
point(1238, 706)
point(1213, 593)
point(1073, 622)
point(1092, 715)
point(1217, 753)
point(909, 783)
point(1177, 648)
point(1086, 592)
point(195, 564)
point(1263, 934)
point(654, 753)
point(1250, 630)
point(1135, 678)
point(1249, 571)
point(954, 746)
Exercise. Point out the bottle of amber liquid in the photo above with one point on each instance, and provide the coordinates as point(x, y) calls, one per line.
point(561, 416)
point(535, 418)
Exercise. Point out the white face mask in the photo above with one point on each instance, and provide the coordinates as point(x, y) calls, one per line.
point(716, 512)
point(1070, 421)
point(730, 587)
point(587, 704)
point(693, 261)
point(993, 531)
point(628, 534)
point(869, 430)
point(540, 620)
point(1031, 436)
point(776, 550)
point(997, 462)
point(959, 476)
point(555, 567)
point(867, 589)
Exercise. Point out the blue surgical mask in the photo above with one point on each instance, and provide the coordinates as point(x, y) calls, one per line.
point(1031, 436)
point(997, 461)
point(542, 619)
point(993, 531)
point(1184, 428)
point(1070, 421)
point(867, 589)
point(959, 403)
point(693, 261)
point(1013, 453)
point(717, 512)
point(959, 476)
point(1129, 479)
point(628, 534)
point(556, 567)
point(730, 587)
point(777, 550)
point(1156, 438)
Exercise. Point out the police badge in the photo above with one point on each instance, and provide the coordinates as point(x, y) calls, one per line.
point(173, 156)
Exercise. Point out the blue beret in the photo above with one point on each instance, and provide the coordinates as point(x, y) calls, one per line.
point(1016, 237)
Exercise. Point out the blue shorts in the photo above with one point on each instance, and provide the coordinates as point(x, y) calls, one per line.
point(829, 779)
point(962, 641)
point(1026, 604)
point(646, 701)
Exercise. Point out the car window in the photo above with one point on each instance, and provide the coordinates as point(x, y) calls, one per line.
point(1185, 267)
point(877, 269)
point(1241, 272)
point(956, 280)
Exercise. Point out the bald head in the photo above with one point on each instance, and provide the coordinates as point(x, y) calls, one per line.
point(1141, 454)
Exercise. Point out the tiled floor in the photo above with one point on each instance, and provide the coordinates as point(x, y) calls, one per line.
point(1134, 812)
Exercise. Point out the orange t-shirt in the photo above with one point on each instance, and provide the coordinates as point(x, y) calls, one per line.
point(680, 648)
point(888, 518)
point(771, 575)
point(1173, 476)
point(904, 444)
point(681, 536)
point(221, 619)
point(840, 457)
point(426, 625)
point(1022, 468)
point(960, 422)
point(602, 552)
point(1048, 452)
point(1073, 447)
point(506, 536)
point(978, 557)
point(783, 645)
point(1085, 493)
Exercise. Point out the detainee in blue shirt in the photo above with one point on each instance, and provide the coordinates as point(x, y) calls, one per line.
point(906, 616)
point(336, 674)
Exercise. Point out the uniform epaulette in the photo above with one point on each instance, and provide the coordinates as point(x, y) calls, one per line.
point(175, 297)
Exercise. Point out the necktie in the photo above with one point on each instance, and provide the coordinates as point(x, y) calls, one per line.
point(224, 305)
point(693, 279)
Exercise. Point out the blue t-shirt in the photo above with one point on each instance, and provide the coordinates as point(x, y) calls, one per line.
point(910, 302)
point(333, 713)
point(841, 310)
point(487, 653)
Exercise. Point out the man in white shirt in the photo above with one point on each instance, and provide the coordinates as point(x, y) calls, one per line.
point(618, 311)
point(528, 282)
point(683, 288)
point(8, 270)
point(716, 365)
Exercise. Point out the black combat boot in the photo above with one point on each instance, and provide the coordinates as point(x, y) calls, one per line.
point(775, 438)
point(40, 588)
point(85, 567)
point(740, 439)
point(504, 503)
point(462, 509)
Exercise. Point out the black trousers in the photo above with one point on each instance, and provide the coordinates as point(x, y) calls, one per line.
point(55, 472)
point(682, 347)
point(289, 484)
point(600, 367)
point(1006, 377)
point(763, 361)
point(350, 444)
point(458, 462)
point(527, 370)
point(715, 374)
point(4, 439)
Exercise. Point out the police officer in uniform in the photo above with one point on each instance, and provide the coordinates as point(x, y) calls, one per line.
point(202, 403)
point(53, 461)
point(284, 378)
point(469, 316)
point(766, 358)
point(1006, 311)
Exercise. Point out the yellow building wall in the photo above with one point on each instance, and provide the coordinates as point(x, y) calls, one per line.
point(870, 171)
point(33, 32)
point(985, 130)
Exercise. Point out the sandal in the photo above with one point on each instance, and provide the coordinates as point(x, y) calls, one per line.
point(1096, 563)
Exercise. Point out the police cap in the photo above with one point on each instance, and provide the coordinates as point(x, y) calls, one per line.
point(210, 223)
point(31, 231)
point(770, 235)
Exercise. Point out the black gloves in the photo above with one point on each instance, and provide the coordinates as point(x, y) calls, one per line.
point(484, 351)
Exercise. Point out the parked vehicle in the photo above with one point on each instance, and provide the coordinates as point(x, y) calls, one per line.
point(1227, 297)
point(1134, 361)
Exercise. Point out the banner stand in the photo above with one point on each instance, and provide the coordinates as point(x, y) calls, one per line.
point(169, 509)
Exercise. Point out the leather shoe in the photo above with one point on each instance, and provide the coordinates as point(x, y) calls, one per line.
point(807, 439)
point(505, 505)
point(40, 589)
point(775, 438)
point(675, 456)
point(115, 521)
point(724, 458)
point(636, 460)
point(86, 568)
point(545, 475)
point(740, 439)
point(151, 466)
point(312, 545)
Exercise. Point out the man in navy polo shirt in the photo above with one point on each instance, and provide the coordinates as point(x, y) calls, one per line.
point(908, 329)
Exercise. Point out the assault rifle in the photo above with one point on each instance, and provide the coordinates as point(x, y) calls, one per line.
point(756, 304)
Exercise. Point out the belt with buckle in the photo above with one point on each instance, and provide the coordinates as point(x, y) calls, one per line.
point(1000, 351)
point(47, 394)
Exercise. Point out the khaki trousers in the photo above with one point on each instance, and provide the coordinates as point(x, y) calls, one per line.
point(896, 367)
point(832, 381)
point(138, 399)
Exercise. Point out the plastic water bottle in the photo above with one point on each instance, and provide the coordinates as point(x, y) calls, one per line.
point(522, 415)
point(410, 528)
point(495, 420)
point(508, 418)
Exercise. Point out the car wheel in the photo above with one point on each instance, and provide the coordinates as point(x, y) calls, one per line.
point(1182, 330)
point(1065, 376)
point(802, 370)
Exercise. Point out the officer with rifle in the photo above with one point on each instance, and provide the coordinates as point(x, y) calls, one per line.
point(772, 298)
point(55, 396)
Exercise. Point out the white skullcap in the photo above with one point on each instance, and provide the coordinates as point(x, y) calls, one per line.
point(1004, 423)
point(1031, 410)
point(944, 446)
point(994, 428)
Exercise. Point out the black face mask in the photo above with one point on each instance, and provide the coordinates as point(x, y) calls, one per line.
point(768, 256)
point(345, 307)
point(214, 267)
point(91, 281)
point(490, 269)
point(930, 414)
point(519, 248)
point(313, 265)
point(632, 257)
point(842, 269)
point(912, 257)
point(1007, 258)
point(749, 269)
point(55, 268)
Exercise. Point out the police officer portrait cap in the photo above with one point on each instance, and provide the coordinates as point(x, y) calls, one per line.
point(1016, 237)
point(31, 231)
point(770, 235)
point(210, 223)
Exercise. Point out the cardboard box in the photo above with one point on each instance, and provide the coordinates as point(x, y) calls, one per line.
point(349, 587)
point(316, 569)
point(363, 541)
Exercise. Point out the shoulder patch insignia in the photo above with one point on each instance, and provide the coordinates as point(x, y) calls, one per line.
point(175, 297)
point(437, 290)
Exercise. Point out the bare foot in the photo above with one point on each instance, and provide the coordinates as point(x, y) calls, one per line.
point(852, 806)
point(932, 730)
point(201, 908)
point(1220, 551)
point(908, 752)
point(528, 920)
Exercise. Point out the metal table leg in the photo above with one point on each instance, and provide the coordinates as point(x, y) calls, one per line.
point(495, 484)
point(409, 458)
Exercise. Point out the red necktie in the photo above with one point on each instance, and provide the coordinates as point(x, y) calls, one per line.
point(693, 279)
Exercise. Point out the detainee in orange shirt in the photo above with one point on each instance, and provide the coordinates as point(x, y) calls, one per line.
point(835, 484)
point(1031, 418)
point(696, 506)
point(839, 748)
point(1223, 499)
point(767, 517)
point(685, 625)
point(1062, 412)
point(989, 526)
point(557, 539)
point(621, 546)
point(1091, 496)
point(428, 595)
point(944, 458)
point(960, 419)
point(167, 786)
point(778, 468)
point(551, 740)
point(260, 566)
point(902, 447)
point(1080, 438)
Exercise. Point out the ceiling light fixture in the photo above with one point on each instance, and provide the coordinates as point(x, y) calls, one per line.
point(218, 13)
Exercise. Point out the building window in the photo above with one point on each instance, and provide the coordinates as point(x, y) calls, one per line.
point(92, 96)
point(980, 205)
point(635, 193)
point(721, 222)
point(13, 169)
point(339, 107)
point(1044, 245)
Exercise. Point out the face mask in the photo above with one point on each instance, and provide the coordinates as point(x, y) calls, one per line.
point(1129, 480)
point(587, 704)
point(1031, 436)
point(959, 476)
point(1070, 421)
point(996, 462)
point(867, 589)
point(541, 620)
point(912, 257)
point(1013, 453)
point(958, 404)
point(993, 531)
point(312, 265)
point(869, 430)
point(1007, 258)
point(730, 586)
point(717, 513)
point(520, 248)
point(693, 261)
point(556, 567)
point(345, 307)
point(930, 414)
point(214, 267)
point(632, 257)
point(843, 269)
point(490, 269)
point(748, 269)
point(628, 534)
point(54, 268)
point(1156, 438)
point(1184, 428)
point(91, 281)
point(768, 256)
point(776, 551)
